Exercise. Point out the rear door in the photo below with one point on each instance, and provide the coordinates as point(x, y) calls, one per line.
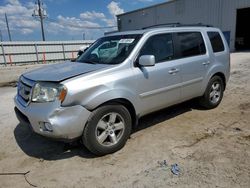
point(194, 60)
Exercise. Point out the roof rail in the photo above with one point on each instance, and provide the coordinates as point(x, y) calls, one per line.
point(177, 25)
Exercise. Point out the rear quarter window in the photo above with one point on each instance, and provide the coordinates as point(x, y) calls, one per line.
point(216, 42)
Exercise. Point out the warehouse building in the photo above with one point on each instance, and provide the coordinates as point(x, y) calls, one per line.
point(231, 16)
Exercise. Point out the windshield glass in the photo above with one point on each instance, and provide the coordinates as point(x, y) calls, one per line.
point(110, 50)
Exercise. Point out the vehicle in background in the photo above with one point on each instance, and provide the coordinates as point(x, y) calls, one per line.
point(81, 50)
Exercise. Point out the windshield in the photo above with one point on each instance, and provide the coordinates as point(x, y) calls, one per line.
point(110, 50)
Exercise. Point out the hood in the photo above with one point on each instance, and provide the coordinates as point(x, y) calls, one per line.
point(62, 71)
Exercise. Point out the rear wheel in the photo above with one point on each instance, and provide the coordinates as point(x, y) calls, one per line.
point(213, 94)
point(107, 130)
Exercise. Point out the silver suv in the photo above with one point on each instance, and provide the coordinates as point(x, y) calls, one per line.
point(120, 78)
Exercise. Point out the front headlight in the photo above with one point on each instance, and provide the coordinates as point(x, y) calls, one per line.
point(48, 92)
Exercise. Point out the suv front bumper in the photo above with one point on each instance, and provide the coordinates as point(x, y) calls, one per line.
point(52, 120)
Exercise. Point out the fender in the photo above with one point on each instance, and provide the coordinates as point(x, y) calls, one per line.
point(214, 69)
point(100, 97)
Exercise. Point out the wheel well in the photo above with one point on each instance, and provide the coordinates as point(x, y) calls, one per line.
point(128, 105)
point(222, 77)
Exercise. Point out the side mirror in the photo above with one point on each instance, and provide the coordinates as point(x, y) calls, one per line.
point(147, 60)
point(80, 52)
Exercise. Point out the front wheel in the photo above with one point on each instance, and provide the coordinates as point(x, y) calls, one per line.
point(213, 94)
point(107, 130)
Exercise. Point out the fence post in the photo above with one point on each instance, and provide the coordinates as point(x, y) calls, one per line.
point(64, 57)
point(4, 58)
point(10, 60)
point(37, 58)
point(44, 58)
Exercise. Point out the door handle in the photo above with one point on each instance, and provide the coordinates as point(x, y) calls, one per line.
point(173, 71)
point(206, 63)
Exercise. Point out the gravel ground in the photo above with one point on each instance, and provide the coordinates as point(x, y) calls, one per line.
point(211, 148)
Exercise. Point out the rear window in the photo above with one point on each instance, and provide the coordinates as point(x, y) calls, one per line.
point(191, 44)
point(216, 41)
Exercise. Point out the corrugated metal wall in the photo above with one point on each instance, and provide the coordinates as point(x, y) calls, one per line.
point(219, 13)
point(35, 52)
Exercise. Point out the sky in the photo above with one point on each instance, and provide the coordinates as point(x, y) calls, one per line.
point(66, 19)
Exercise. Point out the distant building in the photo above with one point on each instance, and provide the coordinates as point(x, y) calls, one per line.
point(231, 16)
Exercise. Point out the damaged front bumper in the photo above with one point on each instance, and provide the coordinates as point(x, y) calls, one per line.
point(52, 120)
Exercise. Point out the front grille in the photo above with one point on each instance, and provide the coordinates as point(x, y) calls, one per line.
point(25, 89)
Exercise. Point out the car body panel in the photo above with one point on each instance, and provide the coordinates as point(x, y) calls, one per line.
point(61, 71)
point(67, 122)
point(101, 87)
point(156, 87)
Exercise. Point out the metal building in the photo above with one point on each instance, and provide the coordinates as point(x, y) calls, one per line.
point(231, 16)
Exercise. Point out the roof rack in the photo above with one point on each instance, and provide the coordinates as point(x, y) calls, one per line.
point(177, 24)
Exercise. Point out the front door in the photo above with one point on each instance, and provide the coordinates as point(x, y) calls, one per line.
point(158, 86)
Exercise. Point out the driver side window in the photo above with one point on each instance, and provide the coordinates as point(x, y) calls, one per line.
point(161, 46)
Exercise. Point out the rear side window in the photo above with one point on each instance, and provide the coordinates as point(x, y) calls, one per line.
point(191, 44)
point(161, 46)
point(216, 41)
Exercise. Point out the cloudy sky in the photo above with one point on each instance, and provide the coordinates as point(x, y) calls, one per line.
point(66, 19)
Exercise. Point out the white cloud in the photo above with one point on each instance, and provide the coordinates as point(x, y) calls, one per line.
point(109, 22)
point(92, 15)
point(76, 22)
point(71, 26)
point(26, 31)
point(13, 9)
point(19, 17)
point(114, 9)
point(21, 21)
point(30, 5)
point(14, 2)
point(54, 28)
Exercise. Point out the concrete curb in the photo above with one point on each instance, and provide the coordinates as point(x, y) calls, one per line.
point(10, 74)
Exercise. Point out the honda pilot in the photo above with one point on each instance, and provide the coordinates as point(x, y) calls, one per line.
point(120, 78)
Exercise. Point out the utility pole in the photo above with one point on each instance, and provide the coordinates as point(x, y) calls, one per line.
point(41, 18)
point(41, 13)
point(1, 36)
point(7, 24)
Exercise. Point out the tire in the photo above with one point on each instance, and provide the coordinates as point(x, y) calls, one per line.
point(213, 94)
point(107, 129)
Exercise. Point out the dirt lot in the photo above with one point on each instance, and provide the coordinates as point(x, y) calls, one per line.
point(212, 148)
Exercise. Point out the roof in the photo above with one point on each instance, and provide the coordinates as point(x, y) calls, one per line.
point(152, 6)
point(159, 29)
